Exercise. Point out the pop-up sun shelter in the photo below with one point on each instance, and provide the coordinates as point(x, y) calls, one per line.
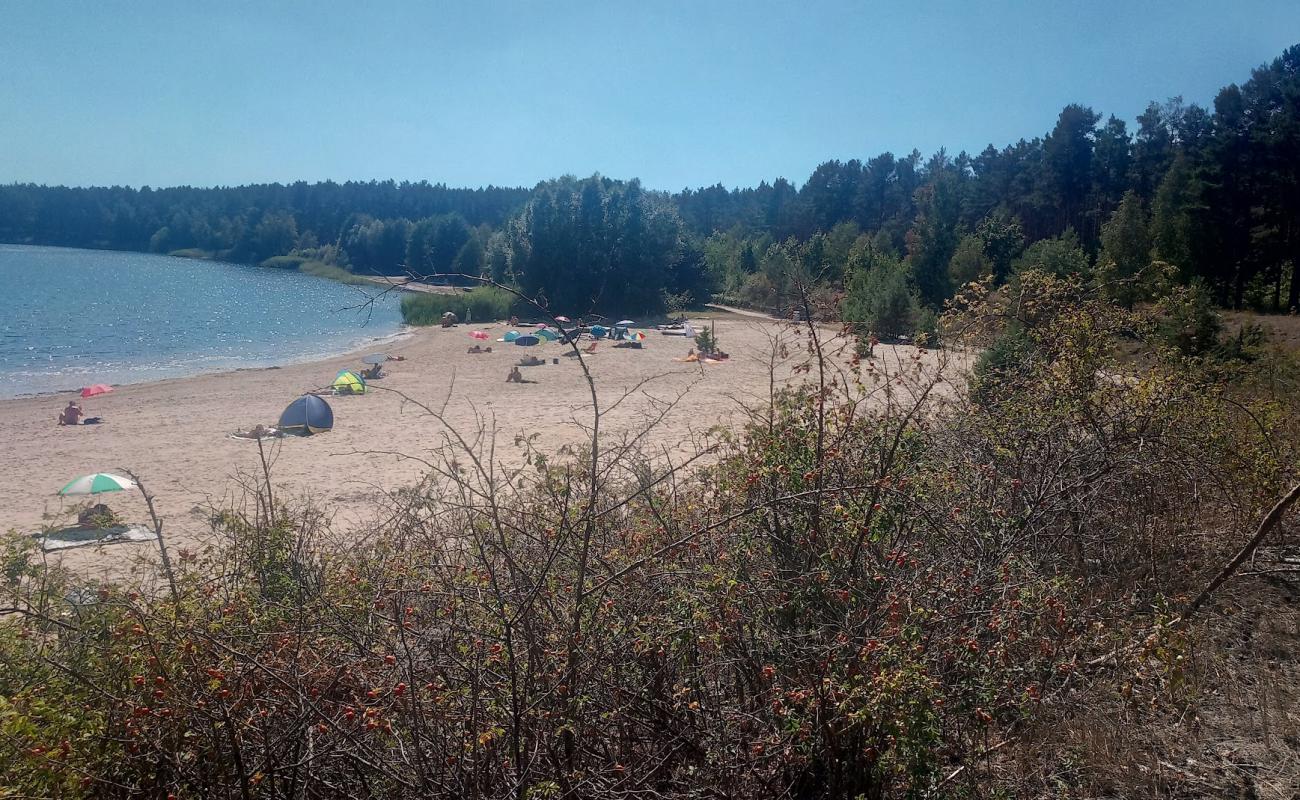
point(306, 415)
point(349, 382)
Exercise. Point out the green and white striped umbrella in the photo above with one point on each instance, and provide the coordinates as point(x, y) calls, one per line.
point(98, 483)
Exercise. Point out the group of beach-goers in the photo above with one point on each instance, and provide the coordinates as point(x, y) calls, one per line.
point(564, 332)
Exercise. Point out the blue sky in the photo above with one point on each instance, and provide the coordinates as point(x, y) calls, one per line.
point(509, 93)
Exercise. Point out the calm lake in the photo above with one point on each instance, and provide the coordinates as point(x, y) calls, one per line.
point(76, 317)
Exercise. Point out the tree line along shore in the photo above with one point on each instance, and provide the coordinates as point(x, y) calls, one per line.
point(1189, 195)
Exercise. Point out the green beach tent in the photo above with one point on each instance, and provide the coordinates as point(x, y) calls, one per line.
point(349, 382)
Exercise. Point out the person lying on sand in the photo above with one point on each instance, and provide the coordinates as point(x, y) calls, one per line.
point(531, 361)
point(474, 349)
point(72, 414)
point(691, 357)
point(259, 431)
point(397, 358)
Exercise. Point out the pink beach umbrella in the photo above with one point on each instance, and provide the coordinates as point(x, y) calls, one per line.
point(480, 335)
point(98, 388)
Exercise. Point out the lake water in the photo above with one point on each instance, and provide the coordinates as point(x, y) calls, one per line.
point(76, 317)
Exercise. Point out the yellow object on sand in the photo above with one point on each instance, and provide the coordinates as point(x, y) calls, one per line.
point(349, 382)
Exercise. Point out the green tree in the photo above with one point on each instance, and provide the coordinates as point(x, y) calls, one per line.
point(275, 235)
point(933, 240)
point(880, 299)
point(597, 244)
point(1060, 256)
point(968, 261)
point(1125, 256)
point(1003, 239)
point(1172, 223)
point(1067, 161)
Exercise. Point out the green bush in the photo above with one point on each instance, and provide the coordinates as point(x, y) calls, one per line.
point(285, 262)
point(484, 303)
point(881, 300)
point(335, 273)
point(193, 252)
point(1189, 322)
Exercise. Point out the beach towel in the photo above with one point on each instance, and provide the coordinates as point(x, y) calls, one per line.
point(245, 436)
point(79, 536)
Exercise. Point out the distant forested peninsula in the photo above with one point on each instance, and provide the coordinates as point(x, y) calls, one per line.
point(1189, 195)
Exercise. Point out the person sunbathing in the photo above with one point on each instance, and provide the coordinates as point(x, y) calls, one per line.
point(475, 349)
point(531, 361)
point(691, 357)
point(515, 376)
point(72, 414)
point(374, 372)
point(258, 431)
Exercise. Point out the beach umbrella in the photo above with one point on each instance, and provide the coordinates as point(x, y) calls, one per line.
point(307, 415)
point(639, 336)
point(527, 341)
point(98, 483)
point(624, 323)
point(98, 388)
point(480, 335)
point(375, 358)
point(599, 331)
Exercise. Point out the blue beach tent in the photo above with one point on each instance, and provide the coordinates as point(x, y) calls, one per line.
point(307, 415)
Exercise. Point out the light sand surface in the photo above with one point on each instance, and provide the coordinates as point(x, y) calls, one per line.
point(174, 433)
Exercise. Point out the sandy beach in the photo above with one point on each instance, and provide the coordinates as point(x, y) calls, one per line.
point(175, 433)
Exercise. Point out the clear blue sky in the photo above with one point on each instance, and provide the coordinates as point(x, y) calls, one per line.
point(509, 93)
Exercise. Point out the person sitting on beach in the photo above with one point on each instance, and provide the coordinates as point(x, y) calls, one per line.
point(514, 321)
point(514, 376)
point(691, 357)
point(374, 372)
point(97, 516)
point(72, 414)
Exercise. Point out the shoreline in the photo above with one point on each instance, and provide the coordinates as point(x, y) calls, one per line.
point(403, 333)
